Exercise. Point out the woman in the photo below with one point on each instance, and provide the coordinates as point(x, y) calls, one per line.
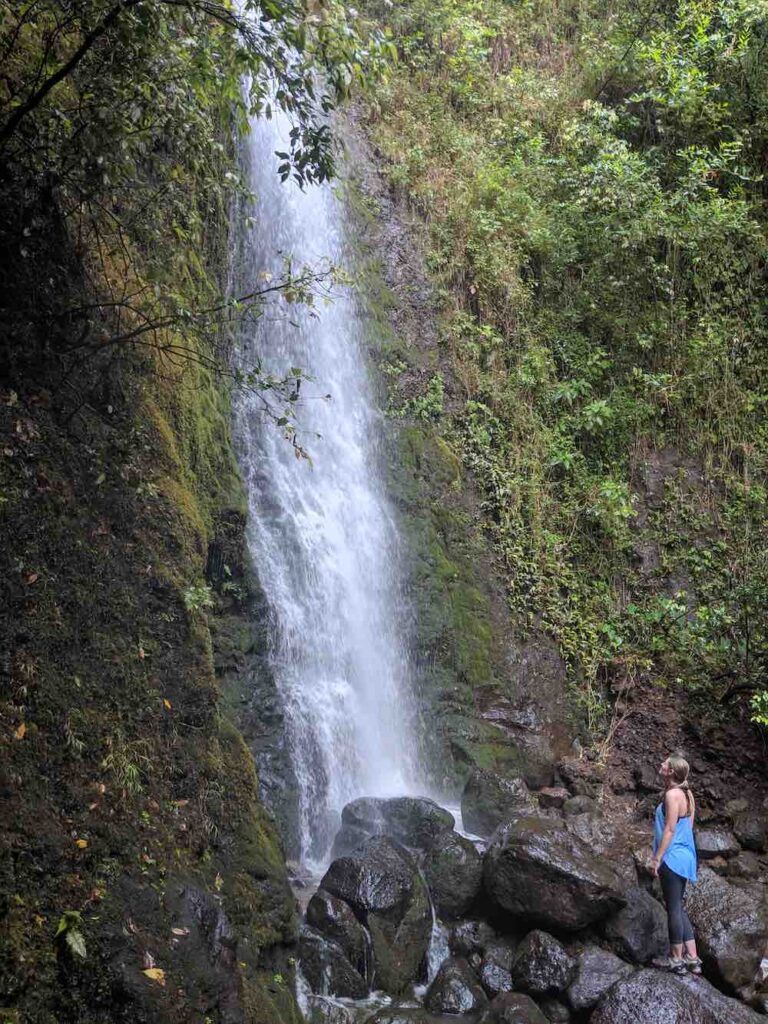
point(674, 860)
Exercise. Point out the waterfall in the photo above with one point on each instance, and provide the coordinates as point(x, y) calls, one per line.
point(322, 537)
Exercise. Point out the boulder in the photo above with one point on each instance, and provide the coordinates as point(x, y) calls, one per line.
point(579, 805)
point(454, 872)
point(382, 884)
point(321, 1010)
point(496, 969)
point(555, 1011)
point(751, 830)
point(470, 937)
point(596, 971)
point(731, 925)
point(490, 800)
point(541, 965)
point(415, 822)
point(639, 931)
point(334, 919)
point(553, 796)
point(713, 842)
point(611, 842)
point(326, 968)
point(347, 839)
point(746, 865)
point(403, 1015)
point(455, 989)
point(655, 997)
point(513, 1008)
point(539, 872)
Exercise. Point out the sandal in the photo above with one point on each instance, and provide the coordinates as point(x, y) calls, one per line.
point(692, 964)
point(669, 963)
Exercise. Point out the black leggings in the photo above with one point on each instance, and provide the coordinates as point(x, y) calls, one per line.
point(673, 887)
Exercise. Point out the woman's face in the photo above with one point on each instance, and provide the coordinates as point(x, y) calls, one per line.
point(664, 768)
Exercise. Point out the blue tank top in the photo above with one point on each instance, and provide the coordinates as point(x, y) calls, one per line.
point(680, 855)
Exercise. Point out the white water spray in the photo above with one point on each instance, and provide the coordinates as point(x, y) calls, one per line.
point(322, 537)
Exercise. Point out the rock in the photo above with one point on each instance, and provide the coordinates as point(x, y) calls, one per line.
point(751, 830)
point(579, 805)
point(402, 1015)
point(639, 931)
point(596, 971)
point(536, 870)
point(323, 1011)
point(455, 989)
point(712, 843)
point(334, 919)
point(415, 822)
point(655, 997)
point(496, 969)
point(555, 1011)
point(454, 872)
point(513, 1008)
point(746, 865)
point(489, 800)
point(731, 925)
point(326, 968)
point(553, 796)
point(541, 965)
point(610, 842)
point(468, 937)
point(347, 839)
point(381, 883)
point(647, 779)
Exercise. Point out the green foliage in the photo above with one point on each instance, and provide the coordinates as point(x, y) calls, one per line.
point(593, 184)
point(198, 597)
point(69, 934)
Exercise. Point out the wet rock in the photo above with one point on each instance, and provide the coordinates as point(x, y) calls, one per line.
point(454, 872)
point(326, 968)
point(596, 971)
point(334, 919)
point(381, 883)
point(403, 1015)
point(347, 839)
point(415, 822)
point(654, 997)
point(513, 1008)
point(468, 937)
point(746, 866)
point(731, 925)
point(638, 931)
point(615, 844)
point(324, 1011)
point(553, 796)
point(541, 965)
point(751, 830)
point(536, 870)
point(490, 800)
point(579, 805)
point(455, 989)
point(555, 1011)
point(496, 969)
point(711, 843)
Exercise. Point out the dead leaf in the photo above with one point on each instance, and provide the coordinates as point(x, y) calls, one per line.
point(81, 844)
point(155, 974)
point(142, 655)
point(21, 732)
point(32, 577)
point(167, 704)
point(180, 931)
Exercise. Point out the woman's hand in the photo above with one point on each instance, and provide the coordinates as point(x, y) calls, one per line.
point(655, 862)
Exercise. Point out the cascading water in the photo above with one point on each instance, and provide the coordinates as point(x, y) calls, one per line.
point(322, 537)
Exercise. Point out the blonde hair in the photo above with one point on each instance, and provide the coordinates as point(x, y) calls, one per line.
point(679, 769)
